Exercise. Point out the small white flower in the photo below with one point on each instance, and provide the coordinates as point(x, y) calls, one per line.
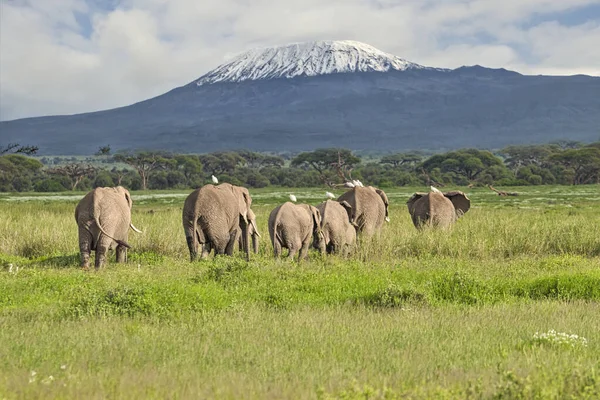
point(63, 367)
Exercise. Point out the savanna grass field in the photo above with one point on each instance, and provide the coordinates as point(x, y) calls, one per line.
point(503, 305)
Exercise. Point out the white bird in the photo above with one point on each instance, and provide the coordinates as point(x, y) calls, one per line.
point(349, 184)
point(10, 266)
point(214, 179)
point(293, 198)
point(330, 195)
point(434, 189)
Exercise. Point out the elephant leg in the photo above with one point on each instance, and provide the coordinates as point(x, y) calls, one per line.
point(101, 250)
point(276, 248)
point(121, 254)
point(206, 249)
point(85, 247)
point(233, 238)
point(333, 248)
point(292, 252)
point(303, 255)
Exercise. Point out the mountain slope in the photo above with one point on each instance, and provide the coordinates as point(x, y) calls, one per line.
point(403, 108)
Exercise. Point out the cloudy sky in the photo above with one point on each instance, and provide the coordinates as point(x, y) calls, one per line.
point(70, 56)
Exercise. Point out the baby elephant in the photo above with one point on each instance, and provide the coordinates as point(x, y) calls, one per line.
point(339, 234)
point(104, 218)
point(293, 226)
point(437, 209)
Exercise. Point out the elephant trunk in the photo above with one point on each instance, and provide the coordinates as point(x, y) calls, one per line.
point(255, 236)
point(245, 240)
point(255, 243)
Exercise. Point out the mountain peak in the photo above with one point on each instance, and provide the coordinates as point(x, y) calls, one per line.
point(306, 59)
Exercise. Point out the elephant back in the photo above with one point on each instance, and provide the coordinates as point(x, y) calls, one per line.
point(368, 208)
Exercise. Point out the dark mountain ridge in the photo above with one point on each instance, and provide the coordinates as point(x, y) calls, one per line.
point(394, 110)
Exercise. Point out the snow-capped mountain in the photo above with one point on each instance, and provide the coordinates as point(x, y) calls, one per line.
point(306, 59)
point(344, 94)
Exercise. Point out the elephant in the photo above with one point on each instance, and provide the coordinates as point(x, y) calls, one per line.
point(369, 208)
point(212, 216)
point(104, 217)
point(339, 234)
point(437, 209)
point(252, 232)
point(292, 226)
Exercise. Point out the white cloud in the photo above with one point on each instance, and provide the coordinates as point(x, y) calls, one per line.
point(50, 64)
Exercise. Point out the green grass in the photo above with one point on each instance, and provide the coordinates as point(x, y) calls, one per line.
point(434, 314)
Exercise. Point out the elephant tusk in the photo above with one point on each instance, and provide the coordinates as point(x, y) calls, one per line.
point(255, 228)
point(134, 228)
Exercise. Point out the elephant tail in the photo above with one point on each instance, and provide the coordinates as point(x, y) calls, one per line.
point(120, 242)
point(277, 239)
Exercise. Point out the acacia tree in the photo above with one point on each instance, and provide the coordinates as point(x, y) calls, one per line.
point(471, 164)
point(326, 161)
point(75, 172)
point(17, 148)
point(585, 163)
point(221, 162)
point(401, 159)
point(145, 162)
point(524, 156)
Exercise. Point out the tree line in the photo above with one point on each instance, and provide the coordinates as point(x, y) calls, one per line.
point(563, 162)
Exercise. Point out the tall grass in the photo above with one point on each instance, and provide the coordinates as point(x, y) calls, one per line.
point(431, 314)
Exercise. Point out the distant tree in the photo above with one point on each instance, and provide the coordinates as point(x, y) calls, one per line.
point(75, 172)
point(191, 168)
point(258, 160)
point(103, 150)
point(328, 162)
point(17, 148)
point(17, 172)
point(399, 159)
point(221, 163)
point(471, 164)
point(584, 162)
point(145, 163)
point(524, 156)
point(567, 144)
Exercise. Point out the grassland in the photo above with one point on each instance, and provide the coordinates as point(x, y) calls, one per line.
point(429, 314)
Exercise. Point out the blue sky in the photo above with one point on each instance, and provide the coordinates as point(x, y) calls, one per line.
point(70, 56)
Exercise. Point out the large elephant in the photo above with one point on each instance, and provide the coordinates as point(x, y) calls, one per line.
point(212, 216)
point(292, 226)
point(104, 218)
point(437, 209)
point(252, 232)
point(369, 208)
point(339, 234)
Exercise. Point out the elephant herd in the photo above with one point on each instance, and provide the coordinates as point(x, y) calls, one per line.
point(219, 217)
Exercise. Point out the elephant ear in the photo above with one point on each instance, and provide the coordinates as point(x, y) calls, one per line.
point(348, 208)
point(125, 193)
point(413, 199)
point(385, 200)
point(460, 201)
point(316, 216)
point(244, 200)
